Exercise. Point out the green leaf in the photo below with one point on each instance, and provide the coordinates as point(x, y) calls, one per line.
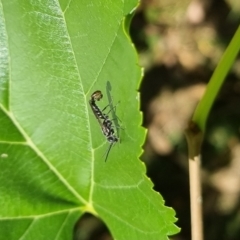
point(54, 55)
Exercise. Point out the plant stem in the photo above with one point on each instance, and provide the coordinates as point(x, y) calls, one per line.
point(194, 139)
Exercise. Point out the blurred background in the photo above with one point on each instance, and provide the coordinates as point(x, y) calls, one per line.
point(179, 45)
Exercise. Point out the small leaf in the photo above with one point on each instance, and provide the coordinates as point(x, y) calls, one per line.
point(54, 55)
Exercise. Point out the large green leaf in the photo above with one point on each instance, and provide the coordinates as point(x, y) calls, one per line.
point(54, 55)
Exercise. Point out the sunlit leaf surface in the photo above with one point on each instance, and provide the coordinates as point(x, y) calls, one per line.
point(54, 55)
